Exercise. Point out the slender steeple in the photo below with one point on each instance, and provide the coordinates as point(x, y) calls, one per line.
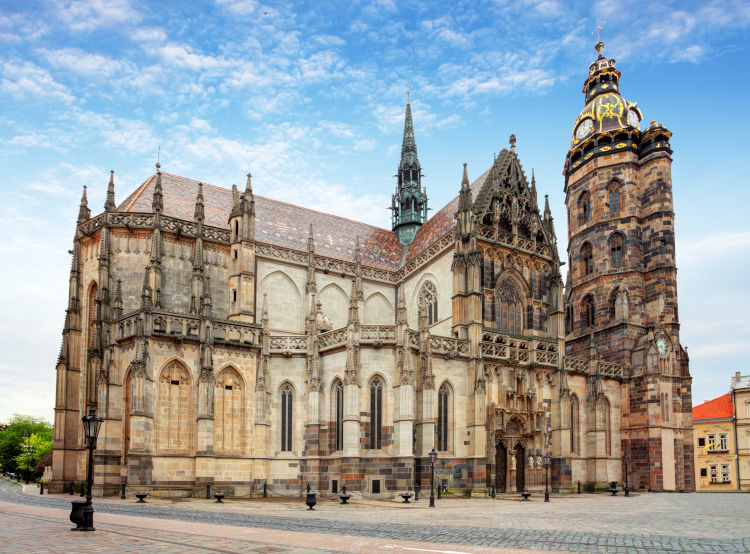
point(199, 214)
point(157, 204)
point(109, 204)
point(409, 203)
point(84, 214)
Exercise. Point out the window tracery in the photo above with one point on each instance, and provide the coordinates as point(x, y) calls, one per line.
point(376, 413)
point(588, 259)
point(587, 307)
point(287, 399)
point(442, 422)
point(509, 306)
point(428, 298)
point(615, 250)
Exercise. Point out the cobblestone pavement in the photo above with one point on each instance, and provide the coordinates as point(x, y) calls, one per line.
point(665, 522)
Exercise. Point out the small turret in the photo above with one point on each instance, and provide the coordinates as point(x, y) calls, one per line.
point(84, 214)
point(109, 204)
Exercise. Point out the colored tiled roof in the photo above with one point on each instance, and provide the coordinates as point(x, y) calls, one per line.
point(276, 222)
point(716, 408)
point(440, 223)
point(286, 225)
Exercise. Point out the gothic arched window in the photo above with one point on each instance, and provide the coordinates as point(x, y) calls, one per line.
point(614, 198)
point(428, 300)
point(587, 256)
point(607, 426)
point(613, 302)
point(442, 422)
point(509, 306)
point(615, 250)
point(587, 307)
point(574, 424)
point(337, 405)
point(585, 206)
point(175, 409)
point(376, 413)
point(287, 399)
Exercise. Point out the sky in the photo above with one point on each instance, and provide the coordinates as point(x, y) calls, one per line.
point(310, 97)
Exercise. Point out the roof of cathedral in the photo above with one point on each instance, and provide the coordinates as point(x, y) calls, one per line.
point(713, 409)
point(287, 225)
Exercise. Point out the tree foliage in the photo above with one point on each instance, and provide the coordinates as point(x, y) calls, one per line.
point(12, 437)
point(39, 446)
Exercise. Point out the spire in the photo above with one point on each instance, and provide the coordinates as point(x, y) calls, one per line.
point(235, 202)
point(109, 204)
point(310, 287)
point(353, 306)
point(311, 240)
point(146, 291)
point(409, 203)
point(464, 196)
point(207, 298)
point(199, 214)
point(84, 214)
point(533, 186)
point(157, 205)
point(401, 306)
point(249, 186)
point(512, 141)
point(358, 272)
point(547, 212)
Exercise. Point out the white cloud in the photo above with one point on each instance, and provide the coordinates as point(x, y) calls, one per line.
point(23, 79)
point(83, 63)
point(692, 54)
point(87, 15)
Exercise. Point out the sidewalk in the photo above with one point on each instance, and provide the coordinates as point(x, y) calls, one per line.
point(37, 529)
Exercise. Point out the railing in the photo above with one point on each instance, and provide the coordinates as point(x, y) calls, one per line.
point(610, 370)
point(509, 239)
point(378, 334)
point(332, 338)
point(449, 346)
point(289, 344)
point(576, 365)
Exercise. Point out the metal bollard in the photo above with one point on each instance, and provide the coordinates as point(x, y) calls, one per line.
point(83, 489)
point(579, 487)
point(208, 491)
point(41, 487)
point(416, 494)
point(493, 491)
point(122, 491)
point(265, 490)
point(72, 488)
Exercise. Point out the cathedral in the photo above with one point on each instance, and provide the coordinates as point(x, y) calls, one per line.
point(235, 340)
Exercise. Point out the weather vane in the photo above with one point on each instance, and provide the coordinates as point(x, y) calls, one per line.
point(597, 28)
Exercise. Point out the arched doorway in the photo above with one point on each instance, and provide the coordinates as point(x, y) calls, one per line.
point(519, 453)
point(501, 467)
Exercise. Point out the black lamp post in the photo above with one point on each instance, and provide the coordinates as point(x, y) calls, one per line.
point(83, 512)
point(546, 476)
point(625, 462)
point(433, 459)
point(29, 449)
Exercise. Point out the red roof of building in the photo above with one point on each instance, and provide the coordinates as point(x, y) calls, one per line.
point(716, 408)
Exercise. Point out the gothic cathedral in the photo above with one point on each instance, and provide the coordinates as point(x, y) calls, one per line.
point(232, 339)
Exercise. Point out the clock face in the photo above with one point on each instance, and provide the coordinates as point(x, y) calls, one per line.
point(584, 129)
point(633, 119)
point(661, 345)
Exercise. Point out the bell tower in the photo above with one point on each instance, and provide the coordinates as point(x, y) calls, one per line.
point(409, 203)
point(621, 297)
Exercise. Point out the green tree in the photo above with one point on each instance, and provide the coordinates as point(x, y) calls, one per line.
point(11, 438)
point(39, 447)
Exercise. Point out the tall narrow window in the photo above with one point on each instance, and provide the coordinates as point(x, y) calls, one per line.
point(286, 418)
point(608, 426)
point(587, 256)
point(574, 424)
point(442, 422)
point(376, 413)
point(428, 300)
point(587, 307)
point(510, 307)
point(615, 249)
point(613, 302)
point(614, 199)
point(585, 206)
point(338, 416)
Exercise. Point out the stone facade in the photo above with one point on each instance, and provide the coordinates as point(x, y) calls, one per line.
point(227, 338)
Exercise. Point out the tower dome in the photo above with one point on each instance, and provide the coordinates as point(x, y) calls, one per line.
point(606, 118)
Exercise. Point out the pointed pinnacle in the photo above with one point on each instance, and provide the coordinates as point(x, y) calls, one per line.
point(310, 240)
point(199, 213)
point(84, 214)
point(465, 178)
point(235, 195)
point(248, 186)
point(157, 205)
point(109, 204)
point(408, 143)
point(357, 252)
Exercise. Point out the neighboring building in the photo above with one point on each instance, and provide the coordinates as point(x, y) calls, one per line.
point(235, 339)
point(741, 392)
point(715, 459)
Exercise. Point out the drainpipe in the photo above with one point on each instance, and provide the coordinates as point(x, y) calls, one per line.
point(736, 446)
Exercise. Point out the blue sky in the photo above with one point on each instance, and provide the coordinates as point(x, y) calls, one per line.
point(310, 98)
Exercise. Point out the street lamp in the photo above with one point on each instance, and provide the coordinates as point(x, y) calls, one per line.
point(433, 459)
point(625, 462)
point(83, 512)
point(29, 449)
point(546, 476)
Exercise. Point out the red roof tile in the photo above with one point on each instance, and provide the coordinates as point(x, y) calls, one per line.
point(718, 407)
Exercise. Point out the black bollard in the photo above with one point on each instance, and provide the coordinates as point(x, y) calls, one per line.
point(122, 491)
point(83, 489)
point(208, 491)
point(416, 494)
point(579, 487)
point(72, 488)
point(41, 487)
point(265, 490)
point(439, 489)
point(493, 491)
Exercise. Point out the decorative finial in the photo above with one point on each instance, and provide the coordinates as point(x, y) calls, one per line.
point(248, 185)
point(158, 157)
point(407, 96)
point(512, 141)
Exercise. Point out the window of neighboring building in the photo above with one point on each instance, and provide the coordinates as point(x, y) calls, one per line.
point(702, 441)
point(725, 473)
point(704, 472)
point(714, 474)
point(723, 442)
point(711, 442)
